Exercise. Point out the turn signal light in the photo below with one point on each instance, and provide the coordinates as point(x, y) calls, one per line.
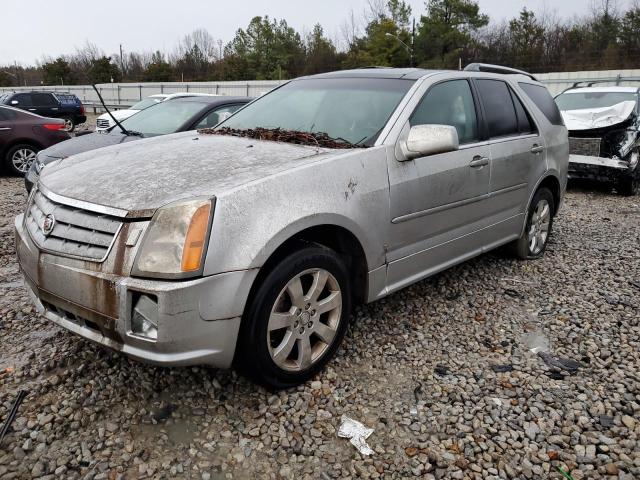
point(195, 241)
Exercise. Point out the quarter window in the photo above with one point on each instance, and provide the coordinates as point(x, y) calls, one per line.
point(543, 100)
point(498, 108)
point(449, 103)
point(525, 124)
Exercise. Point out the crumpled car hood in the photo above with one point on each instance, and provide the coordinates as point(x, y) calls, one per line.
point(142, 176)
point(589, 119)
point(84, 143)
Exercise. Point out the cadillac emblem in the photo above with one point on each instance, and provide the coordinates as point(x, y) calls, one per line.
point(48, 224)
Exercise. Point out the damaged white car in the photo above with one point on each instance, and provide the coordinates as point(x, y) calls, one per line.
point(604, 125)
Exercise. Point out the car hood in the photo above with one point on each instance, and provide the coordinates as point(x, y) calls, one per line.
point(589, 119)
point(142, 176)
point(83, 143)
point(118, 114)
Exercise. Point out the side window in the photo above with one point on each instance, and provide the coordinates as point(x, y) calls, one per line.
point(525, 124)
point(43, 100)
point(498, 108)
point(544, 101)
point(449, 103)
point(214, 117)
point(23, 99)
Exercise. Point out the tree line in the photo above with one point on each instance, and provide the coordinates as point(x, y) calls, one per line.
point(447, 34)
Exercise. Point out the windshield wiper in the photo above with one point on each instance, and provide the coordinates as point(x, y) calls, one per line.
point(133, 133)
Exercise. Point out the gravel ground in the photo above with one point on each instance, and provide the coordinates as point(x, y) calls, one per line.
point(443, 371)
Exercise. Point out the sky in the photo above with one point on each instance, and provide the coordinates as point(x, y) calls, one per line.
point(33, 29)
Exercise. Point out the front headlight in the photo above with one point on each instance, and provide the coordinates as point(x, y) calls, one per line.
point(175, 243)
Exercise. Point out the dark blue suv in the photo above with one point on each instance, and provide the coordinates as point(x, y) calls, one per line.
point(66, 106)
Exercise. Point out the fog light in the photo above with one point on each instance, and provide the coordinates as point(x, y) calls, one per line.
point(144, 318)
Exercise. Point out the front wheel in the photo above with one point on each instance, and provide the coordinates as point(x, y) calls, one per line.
point(296, 319)
point(533, 242)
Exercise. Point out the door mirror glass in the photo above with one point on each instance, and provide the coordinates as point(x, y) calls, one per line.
point(426, 140)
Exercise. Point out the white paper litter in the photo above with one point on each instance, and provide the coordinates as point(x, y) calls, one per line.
point(587, 119)
point(357, 433)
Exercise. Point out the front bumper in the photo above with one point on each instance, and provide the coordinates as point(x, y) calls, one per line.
point(598, 168)
point(198, 320)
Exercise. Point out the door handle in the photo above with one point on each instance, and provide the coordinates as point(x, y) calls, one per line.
point(32, 109)
point(5, 128)
point(537, 149)
point(479, 162)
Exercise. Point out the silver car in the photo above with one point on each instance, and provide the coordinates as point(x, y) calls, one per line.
point(249, 244)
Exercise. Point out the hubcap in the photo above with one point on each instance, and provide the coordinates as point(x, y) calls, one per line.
point(22, 159)
point(304, 320)
point(539, 227)
point(68, 124)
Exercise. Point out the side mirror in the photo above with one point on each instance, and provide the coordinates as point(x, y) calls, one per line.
point(14, 102)
point(426, 140)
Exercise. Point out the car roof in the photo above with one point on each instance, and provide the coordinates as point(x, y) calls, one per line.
point(377, 72)
point(603, 90)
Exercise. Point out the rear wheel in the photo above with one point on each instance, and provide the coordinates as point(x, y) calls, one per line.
point(69, 124)
point(20, 157)
point(533, 242)
point(296, 319)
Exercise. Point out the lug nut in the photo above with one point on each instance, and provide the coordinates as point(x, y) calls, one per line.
point(302, 330)
point(310, 324)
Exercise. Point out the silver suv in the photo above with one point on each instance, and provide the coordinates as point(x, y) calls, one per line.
point(248, 244)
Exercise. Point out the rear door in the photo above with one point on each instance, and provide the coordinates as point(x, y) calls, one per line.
point(6, 128)
point(517, 153)
point(45, 104)
point(439, 199)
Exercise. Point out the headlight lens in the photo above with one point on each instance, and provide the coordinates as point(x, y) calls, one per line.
point(175, 243)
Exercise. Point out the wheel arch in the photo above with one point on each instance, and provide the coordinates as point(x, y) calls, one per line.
point(19, 141)
point(331, 235)
point(552, 182)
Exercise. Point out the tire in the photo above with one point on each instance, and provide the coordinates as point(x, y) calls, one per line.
point(286, 338)
point(69, 124)
point(538, 227)
point(629, 186)
point(19, 158)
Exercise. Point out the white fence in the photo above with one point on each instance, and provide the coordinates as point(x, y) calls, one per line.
point(126, 94)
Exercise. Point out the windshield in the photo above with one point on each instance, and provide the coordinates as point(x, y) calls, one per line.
point(162, 118)
point(592, 100)
point(146, 103)
point(352, 109)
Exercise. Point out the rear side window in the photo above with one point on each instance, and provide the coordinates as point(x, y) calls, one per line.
point(525, 124)
point(43, 100)
point(449, 103)
point(498, 108)
point(67, 99)
point(544, 101)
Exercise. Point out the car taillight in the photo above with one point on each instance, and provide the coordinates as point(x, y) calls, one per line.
point(54, 126)
point(81, 109)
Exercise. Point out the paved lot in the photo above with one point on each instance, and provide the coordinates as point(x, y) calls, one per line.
point(443, 372)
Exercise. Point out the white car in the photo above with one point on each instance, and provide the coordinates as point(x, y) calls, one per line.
point(105, 122)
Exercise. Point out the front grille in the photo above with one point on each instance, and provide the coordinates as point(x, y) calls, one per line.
point(102, 123)
point(76, 232)
point(585, 146)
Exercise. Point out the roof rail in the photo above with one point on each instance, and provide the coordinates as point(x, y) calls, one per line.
point(486, 67)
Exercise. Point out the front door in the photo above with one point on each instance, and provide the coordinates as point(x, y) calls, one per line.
point(438, 201)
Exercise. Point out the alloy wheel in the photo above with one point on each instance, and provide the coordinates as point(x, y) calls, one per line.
point(539, 227)
point(22, 159)
point(304, 320)
point(68, 125)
